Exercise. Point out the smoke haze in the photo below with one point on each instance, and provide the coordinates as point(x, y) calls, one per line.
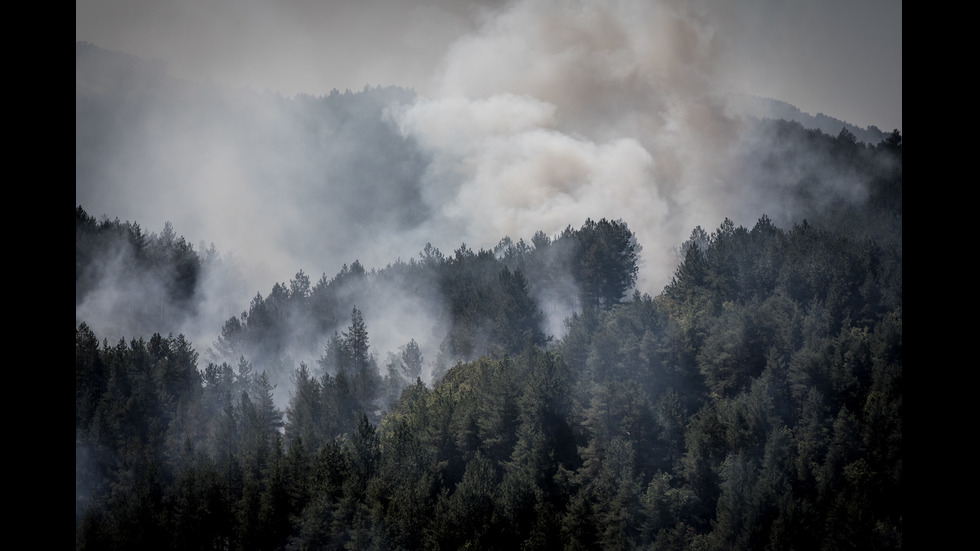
point(528, 115)
point(839, 57)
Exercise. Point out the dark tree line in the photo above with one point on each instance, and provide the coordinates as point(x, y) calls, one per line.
point(151, 260)
point(484, 302)
point(756, 403)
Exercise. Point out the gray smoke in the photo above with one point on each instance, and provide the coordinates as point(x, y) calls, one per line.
point(530, 115)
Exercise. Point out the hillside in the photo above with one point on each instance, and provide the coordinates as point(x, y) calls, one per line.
point(439, 387)
point(756, 401)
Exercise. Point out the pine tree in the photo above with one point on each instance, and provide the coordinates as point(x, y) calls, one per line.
point(412, 361)
point(362, 369)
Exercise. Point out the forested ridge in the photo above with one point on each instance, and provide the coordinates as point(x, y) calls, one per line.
point(755, 403)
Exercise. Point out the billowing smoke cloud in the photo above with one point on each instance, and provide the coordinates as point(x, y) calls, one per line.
point(554, 112)
point(531, 115)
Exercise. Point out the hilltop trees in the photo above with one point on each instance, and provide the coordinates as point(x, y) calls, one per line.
point(144, 281)
point(755, 402)
point(480, 303)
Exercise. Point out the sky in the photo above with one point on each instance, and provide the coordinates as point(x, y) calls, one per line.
point(532, 115)
point(842, 58)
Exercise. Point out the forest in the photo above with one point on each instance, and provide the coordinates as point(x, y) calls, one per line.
point(754, 403)
point(526, 395)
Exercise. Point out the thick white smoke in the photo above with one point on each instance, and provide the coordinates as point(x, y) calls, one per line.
point(554, 112)
point(499, 168)
point(531, 115)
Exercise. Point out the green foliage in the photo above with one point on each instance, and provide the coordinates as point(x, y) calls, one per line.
point(604, 261)
point(755, 403)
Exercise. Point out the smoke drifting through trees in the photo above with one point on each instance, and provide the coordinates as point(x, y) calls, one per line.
point(538, 115)
point(537, 118)
point(416, 209)
point(754, 401)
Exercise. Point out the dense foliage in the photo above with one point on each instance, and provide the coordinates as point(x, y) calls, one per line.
point(755, 403)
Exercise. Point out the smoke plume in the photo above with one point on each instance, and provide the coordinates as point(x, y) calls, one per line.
point(528, 115)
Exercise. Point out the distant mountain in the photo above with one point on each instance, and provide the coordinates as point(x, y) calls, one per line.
point(100, 71)
point(767, 108)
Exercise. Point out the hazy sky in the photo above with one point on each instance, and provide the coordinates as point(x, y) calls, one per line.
point(842, 58)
